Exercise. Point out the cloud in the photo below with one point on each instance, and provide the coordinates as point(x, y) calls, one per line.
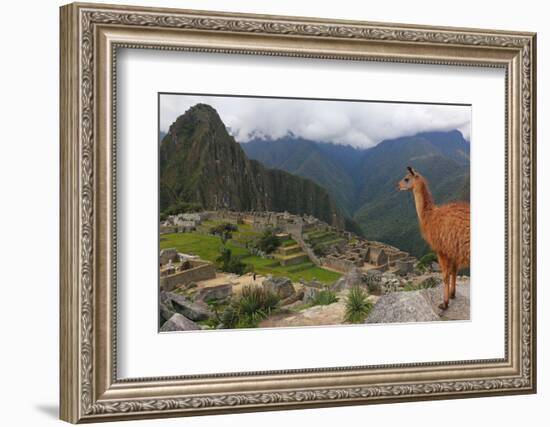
point(360, 124)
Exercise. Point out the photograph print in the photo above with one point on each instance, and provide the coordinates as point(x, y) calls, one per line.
point(290, 212)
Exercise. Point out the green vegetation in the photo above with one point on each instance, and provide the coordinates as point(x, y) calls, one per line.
point(288, 242)
point(224, 231)
point(426, 261)
point(430, 282)
point(320, 251)
point(254, 304)
point(325, 297)
point(230, 263)
point(268, 242)
point(307, 271)
point(204, 246)
point(357, 305)
point(321, 241)
point(409, 287)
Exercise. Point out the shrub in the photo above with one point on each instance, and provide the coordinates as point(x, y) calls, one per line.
point(223, 230)
point(325, 297)
point(231, 264)
point(409, 287)
point(430, 282)
point(357, 305)
point(426, 261)
point(253, 305)
point(230, 317)
point(268, 242)
point(320, 250)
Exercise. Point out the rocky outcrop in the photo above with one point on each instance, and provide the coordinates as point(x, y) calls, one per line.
point(282, 286)
point(402, 307)
point(310, 294)
point(459, 308)
point(215, 293)
point(347, 281)
point(389, 282)
point(421, 306)
point(177, 322)
point(373, 279)
point(166, 312)
point(168, 254)
point(297, 296)
point(192, 310)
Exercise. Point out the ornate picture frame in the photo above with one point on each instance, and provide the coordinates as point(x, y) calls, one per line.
point(90, 37)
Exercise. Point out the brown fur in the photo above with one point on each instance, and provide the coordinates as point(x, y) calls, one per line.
point(445, 228)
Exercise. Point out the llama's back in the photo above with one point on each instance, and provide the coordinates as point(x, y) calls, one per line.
point(447, 230)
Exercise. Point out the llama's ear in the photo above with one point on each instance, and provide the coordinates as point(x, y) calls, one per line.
point(411, 171)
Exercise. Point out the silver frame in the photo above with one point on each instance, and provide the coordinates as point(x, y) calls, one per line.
point(90, 37)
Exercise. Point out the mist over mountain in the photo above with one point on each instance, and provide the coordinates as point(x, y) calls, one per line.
point(364, 181)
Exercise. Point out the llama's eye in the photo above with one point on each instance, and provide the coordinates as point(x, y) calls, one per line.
point(406, 179)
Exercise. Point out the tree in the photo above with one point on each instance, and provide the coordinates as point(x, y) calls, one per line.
point(230, 263)
point(268, 242)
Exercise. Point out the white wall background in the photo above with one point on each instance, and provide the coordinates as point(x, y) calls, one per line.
point(29, 170)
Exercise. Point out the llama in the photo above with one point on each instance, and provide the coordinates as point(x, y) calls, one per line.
point(446, 228)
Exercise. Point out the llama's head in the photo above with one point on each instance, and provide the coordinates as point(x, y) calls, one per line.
point(408, 182)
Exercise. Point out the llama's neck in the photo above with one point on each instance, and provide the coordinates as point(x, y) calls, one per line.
point(423, 200)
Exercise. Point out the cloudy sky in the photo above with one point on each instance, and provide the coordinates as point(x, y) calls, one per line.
point(360, 124)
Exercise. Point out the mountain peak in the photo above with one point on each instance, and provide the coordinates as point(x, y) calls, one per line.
point(195, 116)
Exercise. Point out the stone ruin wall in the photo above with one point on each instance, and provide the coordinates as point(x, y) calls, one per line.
point(200, 270)
point(341, 264)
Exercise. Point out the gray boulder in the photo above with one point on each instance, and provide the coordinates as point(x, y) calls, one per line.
point(168, 254)
point(214, 293)
point(298, 296)
point(373, 279)
point(282, 286)
point(349, 280)
point(314, 284)
point(164, 299)
point(166, 312)
point(179, 323)
point(389, 282)
point(459, 307)
point(192, 310)
point(403, 307)
point(310, 294)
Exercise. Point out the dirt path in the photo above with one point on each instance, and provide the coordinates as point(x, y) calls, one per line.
point(331, 314)
point(237, 281)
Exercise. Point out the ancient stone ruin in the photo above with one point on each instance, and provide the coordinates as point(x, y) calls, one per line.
point(341, 250)
point(179, 270)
